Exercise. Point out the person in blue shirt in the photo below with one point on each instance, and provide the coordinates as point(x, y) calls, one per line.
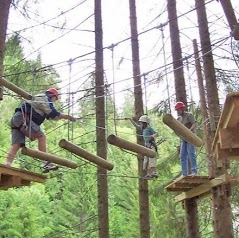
point(26, 122)
point(149, 135)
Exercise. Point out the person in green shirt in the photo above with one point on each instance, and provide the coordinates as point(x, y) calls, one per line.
point(187, 150)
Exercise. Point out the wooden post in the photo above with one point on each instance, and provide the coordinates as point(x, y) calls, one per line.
point(4, 13)
point(15, 89)
point(182, 130)
point(139, 149)
point(48, 157)
point(85, 154)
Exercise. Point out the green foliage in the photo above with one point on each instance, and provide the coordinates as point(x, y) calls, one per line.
point(67, 204)
point(29, 75)
point(25, 212)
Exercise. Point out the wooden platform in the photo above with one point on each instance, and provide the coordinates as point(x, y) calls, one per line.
point(186, 183)
point(225, 146)
point(198, 186)
point(226, 140)
point(14, 177)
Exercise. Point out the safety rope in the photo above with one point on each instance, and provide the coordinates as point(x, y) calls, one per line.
point(113, 77)
point(70, 100)
point(161, 27)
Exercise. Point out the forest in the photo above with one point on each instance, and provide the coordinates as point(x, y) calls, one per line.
point(67, 204)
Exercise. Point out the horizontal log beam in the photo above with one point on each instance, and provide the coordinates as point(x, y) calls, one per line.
point(85, 154)
point(15, 89)
point(181, 130)
point(127, 145)
point(48, 157)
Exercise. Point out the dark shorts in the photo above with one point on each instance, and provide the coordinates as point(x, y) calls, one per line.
point(18, 137)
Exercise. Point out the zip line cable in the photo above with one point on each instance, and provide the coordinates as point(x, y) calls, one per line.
point(126, 39)
point(51, 19)
point(215, 44)
point(152, 80)
point(50, 42)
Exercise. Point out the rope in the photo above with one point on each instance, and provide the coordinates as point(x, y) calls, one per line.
point(113, 77)
point(165, 66)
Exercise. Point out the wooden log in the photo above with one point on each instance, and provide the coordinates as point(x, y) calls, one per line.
point(48, 157)
point(181, 130)
point(15, 89)
point(85, 154)
point(4, 16)
point(124, 144)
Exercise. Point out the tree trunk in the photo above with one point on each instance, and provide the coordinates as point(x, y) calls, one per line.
point(192, 217)
point(103, 216)
point(4, 13)
point(231, 17)
point(208, 135)
point(143, 184)
point(179, 80)
point(209, 69)
point(180, 88)
point(220, 196)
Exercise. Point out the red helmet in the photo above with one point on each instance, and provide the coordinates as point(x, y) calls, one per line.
point(179, 105)
point(53, 91)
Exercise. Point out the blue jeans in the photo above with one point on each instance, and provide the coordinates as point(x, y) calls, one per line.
point(188, 153)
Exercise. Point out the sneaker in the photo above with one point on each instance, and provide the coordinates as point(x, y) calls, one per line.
point(48, 167)
point(154, 175)
point(148, 176)
point(193, 174)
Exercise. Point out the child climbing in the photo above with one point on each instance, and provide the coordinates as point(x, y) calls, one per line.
point(149, 134)
point(26, 122)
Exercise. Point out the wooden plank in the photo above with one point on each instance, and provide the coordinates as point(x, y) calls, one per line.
point(23, 174)
point(9, 180)
point(228, 137)
point(233, 117)
point(229, 116)
point(203, 188)
point(230, 113)
point(231, 154)
point(186, 183)
point(179, 187)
